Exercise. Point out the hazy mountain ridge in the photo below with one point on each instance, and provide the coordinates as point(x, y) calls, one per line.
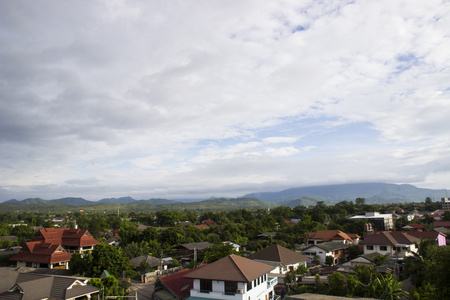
point(76, 201)
point(373, 192)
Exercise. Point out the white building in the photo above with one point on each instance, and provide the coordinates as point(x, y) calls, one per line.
point(233, 278)
point(396, 244)
point(380, 221)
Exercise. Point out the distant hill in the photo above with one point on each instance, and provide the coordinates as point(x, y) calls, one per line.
point(118, 200)
point(305, 201)
point(26, 201)
point(373, 192)
point(72, 201)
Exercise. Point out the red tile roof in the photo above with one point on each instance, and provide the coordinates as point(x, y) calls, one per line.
point(177, 284)
point(232, 268)
point(442, 224)
point(329, 235)
point(66, 237)
point(429, 235)
point(417, 226)
point(40, 252)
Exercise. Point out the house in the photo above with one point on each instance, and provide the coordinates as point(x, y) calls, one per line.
point(32, 286)
point(396, 244)
point(282, 259)
point(233, 278)
point(51, 248)
point(321, 236)
point(175, 286)
point(439, 238)
point(415, 227)
point(337, 250)
point(235, 246)
point(266, 235)
point(187, 252)
point(445, 203)
point(445, 224)
point(154, 262)
point(379, 221)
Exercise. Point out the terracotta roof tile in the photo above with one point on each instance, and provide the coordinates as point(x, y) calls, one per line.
point(179, 285)
point(389, 238)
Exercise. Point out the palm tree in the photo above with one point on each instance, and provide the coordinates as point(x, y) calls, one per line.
point(414, 264)
point(387, 287)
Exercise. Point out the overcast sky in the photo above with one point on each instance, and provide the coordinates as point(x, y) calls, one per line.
point(193, 99)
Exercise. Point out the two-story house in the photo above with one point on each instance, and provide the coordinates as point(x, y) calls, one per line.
point(282, 259)
point(51, 248)
point(322, 236)
point(396, 244)
point(337, 250)
point(233, 278)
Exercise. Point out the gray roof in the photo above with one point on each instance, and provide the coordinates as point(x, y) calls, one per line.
point(330, 246)
point(153, 261)
point(198, 246)
point(41, 286)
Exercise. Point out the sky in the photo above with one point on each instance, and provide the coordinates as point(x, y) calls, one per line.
point(196, 99)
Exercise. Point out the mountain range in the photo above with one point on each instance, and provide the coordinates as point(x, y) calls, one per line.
point(330, 194)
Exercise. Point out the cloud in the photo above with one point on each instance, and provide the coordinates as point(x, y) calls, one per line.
point(104, 98)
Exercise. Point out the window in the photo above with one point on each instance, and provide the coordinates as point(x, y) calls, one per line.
point(205, 286)
point(249, 286)
point(230, 287)
point(28, 264)
point(383, 248)
point(369, 247)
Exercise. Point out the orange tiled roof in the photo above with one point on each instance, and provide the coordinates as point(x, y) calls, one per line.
point(329, 235)
point(66, 237)
point(42, 252)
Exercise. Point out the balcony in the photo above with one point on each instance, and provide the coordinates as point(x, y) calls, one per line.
point(272, 281)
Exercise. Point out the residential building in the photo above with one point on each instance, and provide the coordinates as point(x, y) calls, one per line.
point(174, 286)
point(337, 250)
point(185, 253)
point(445, 203)
point(396, 244)
point(379, 221)
point(51, 248)
point(438, 238)
point(414, 227)
point(321, 236)
point(233, 278)
point(282, 259)
point(154, 262)
point(445, 224)
point(32, 286)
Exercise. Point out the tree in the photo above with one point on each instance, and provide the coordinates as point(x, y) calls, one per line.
point(109, 286)
point(380, 260)
point(78, 265)
point(144, 267)
point(387, 287)
point(360, 201)
point(329, 260)
point(437, 271)
point(108, 257)
point(218, 251)
point(336, 284)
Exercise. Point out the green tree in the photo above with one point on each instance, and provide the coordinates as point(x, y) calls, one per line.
point(380, 260)
point(128, 233)
point(78, 265)
point(108, 257)
point(360, 201)
point(336, 284)
point(329, 260)
point(387, 287)
point(109, 286)
point(437, 271)
point(218, 251)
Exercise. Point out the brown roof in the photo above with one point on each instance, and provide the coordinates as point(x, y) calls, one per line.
point(442, 224)
point(280, 254)
point(192, 246)
point(389, 238)
point(232, 268)
point(66, 237)
point(329, 235)
point(41, 252)
point(429, 235)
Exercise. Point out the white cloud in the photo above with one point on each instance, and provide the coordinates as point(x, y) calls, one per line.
point(151, 94)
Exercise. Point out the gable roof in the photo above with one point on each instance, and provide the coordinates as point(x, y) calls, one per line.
point(330, 246)
point(177, 284)
point(415, 226)
point(153, 261)
point(66, 237)
point(31, 286)
point(192, 246)
point(329, 235)
point(280, 254)
point(442, 224)
point(389, 238)
point(232, 268)
point(41, 252)
point(429, 235)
